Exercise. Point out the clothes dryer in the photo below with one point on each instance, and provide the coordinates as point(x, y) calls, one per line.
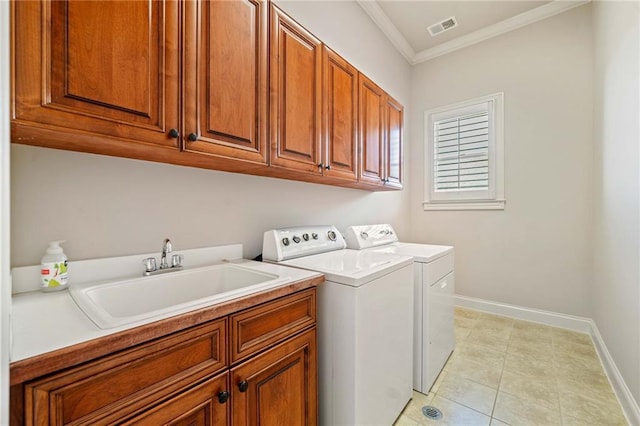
point(434, 287)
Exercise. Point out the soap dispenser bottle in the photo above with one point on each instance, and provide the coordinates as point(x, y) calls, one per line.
point(53, 270)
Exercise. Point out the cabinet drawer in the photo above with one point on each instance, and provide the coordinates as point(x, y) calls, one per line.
point(257, 328)
point(122, 384)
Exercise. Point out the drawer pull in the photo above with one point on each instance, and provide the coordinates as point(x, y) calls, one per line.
point(243, 386)
point(223, 397)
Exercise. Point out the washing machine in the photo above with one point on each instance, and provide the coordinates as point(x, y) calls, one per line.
point(365, 319)
point(434, 287)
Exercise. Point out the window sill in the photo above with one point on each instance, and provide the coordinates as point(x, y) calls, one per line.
point(465, 205)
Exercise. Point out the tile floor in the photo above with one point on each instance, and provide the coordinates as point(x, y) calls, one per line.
point(510, 372)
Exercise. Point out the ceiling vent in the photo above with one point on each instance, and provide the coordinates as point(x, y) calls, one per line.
point(443, 26)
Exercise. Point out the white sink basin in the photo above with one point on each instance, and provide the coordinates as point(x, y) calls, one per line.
point(115, 303)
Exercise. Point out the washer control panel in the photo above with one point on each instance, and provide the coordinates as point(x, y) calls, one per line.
point(288, 243)
point(365, 236)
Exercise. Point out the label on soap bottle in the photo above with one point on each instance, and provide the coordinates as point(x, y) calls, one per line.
point(54, 274)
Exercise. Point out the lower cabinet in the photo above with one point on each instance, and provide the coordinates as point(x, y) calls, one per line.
point(279, 386)
point(203, 405)
point(191, 377)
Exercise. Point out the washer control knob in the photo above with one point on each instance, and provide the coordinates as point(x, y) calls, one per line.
point(331, 235)
point(285, 241)
point(364, 235)
point(314, 236)
point(305, 237)
point(296, 239)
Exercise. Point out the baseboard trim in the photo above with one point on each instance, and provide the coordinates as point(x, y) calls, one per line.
point(580, 324)
point(574, 323)
point(627, 401)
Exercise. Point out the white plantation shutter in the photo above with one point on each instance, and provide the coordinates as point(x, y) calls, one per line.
point(461, 147)
point(464, 147)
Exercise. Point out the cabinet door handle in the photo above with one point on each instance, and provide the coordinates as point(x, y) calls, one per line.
point(174, 133)
point(328, 167)
point(223, 397)
point(193, 137)
point(243, 386)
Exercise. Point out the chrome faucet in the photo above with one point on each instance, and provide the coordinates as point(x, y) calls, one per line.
point(150, 267)
point(166, 248)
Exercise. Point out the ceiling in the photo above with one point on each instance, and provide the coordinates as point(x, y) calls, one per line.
point(405, 22)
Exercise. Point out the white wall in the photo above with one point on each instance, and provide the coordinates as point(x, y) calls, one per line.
point(616, 284)
point(537, 252)
point(107, 206)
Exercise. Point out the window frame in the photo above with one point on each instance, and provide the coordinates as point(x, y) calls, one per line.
point(489, 199)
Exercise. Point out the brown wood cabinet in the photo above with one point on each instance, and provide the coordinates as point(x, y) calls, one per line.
point(203, 405)
point(340, 116)
point(296, 80)
point(191, 377)
point(393, 129)
point(225, 78)
point(381, 123)
point(101, 68)
point(234, 85)
point(371, 131)
point(144, 79)
point(278, 386)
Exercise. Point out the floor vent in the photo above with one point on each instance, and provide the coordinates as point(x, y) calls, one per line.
point(431, 412)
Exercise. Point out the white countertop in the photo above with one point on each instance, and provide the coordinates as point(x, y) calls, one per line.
point(43, 322)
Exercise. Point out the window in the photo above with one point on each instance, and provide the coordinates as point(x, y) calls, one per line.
point(464, 147)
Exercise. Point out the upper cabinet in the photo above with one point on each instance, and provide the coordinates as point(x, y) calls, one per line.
point(371, 131)
point(296, 57)
point(225, 78)
point(381, 122)
point(393, 127)
point(95, 68)
point(340, 116)
point(234, 85)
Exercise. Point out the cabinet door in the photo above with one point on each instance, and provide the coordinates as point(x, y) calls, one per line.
point(204, 405)
point(96, 68)
point(340, 116)
point(119, 385)
point(372, 99)
point(393, 127)
point(295, 80)
point(278, 387)
point(225, 78)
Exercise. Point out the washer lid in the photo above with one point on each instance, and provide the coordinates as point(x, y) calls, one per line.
point(351, 267)
point(423, 253)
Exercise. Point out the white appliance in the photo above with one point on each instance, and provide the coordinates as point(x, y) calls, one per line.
point(365, 318)
point(434, 286)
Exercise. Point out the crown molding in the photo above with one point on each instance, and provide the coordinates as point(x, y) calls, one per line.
point(378, 16)
point(510, 24)
point(381, 19)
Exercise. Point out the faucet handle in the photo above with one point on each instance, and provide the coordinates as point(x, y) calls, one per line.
point(176, 260)
point(150, 264)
